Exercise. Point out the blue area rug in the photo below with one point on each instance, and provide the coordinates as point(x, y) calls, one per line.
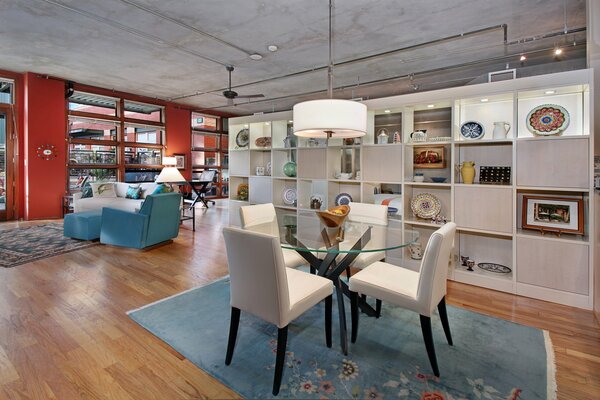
point(490, 359)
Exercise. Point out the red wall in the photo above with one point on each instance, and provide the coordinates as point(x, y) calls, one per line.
point(45, 123)
point(179, 137)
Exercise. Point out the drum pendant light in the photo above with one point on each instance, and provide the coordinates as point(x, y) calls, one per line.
point(330, 118)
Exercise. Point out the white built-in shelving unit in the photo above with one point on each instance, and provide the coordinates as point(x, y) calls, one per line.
point(548, 267)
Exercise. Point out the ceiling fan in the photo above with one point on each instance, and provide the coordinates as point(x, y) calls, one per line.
point(230, 95)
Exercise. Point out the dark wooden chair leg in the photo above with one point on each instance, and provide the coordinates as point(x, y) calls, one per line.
point(377, 308)
point(328, 305)
point(281, 345)
point(233, 329)
point(354, 315)
point(444, 318)
point(428, 338)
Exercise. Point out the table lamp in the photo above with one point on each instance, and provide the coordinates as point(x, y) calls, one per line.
point(170, 174)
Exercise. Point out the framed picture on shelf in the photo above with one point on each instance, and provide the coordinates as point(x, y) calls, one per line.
point(180, 160)
point(553, 214)
point(429, 157)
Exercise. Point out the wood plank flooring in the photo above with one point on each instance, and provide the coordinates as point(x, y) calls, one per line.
point(64, 333)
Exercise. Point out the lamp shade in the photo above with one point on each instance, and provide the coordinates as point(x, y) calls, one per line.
point(170, 175)
point(169, 161)
point(330, 118)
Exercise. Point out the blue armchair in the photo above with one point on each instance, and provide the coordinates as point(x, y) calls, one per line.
point(156, 222)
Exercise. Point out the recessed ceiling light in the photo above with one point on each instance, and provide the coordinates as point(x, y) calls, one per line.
point(484, 100)
point(550, 91)
point(430, 105)
point(387, 111)
point(272, 47)
point(523, 58)
point(557, 51)
point(290, 121)
point(256, 56)
point(245, 126)
point(267, 123)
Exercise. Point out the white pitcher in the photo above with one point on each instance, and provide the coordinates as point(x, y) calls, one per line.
point(501, 129)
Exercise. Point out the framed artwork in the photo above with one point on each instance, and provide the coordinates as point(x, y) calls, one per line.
point(553, 214)
point(180, 160)
point(429, 157)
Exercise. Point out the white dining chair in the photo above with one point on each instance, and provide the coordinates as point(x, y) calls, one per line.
point(420, 292)
point(262, 286)
point(263, 214)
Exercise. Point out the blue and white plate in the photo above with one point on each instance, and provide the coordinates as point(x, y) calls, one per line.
point(472, 130)
point(343, 199)
point(289, 196)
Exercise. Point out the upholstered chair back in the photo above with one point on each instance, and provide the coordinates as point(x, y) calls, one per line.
point(163, 211)
point(258, 275)
point(368, 213)
point(258, 214)
point(434, 268)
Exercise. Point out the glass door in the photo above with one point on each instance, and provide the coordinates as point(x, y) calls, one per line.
point(6, 177)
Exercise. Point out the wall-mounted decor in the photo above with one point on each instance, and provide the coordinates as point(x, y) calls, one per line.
point(47, 152)
point(180, 158)
point(553, 214)
point(548, 119)
point(430, 157)
point(494, 175)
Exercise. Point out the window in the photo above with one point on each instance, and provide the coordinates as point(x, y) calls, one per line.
point(113, 139)
point(210, 151)
point(89, 103)
point(204, 122)
point(6, 91)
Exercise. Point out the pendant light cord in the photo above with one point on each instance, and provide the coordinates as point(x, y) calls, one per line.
point(330, 66)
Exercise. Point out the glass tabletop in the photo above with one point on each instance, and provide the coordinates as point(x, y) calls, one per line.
point(309, 234)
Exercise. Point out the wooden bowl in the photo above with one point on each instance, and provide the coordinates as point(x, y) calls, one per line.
point(334, 217)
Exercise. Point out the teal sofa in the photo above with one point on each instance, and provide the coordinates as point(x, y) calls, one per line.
point(156, 222)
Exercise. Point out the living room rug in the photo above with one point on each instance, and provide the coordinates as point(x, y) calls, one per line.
point(23, 245)
point(491, 358)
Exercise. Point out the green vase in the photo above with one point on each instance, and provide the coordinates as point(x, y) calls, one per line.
point(289, 169)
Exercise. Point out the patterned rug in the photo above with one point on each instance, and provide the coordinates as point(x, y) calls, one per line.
point(23, 245)
point(491, 359)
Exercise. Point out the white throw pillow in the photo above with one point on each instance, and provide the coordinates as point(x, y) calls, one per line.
point(104, 189)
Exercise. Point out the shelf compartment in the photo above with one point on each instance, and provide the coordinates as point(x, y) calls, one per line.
point(382, 163)
point(444, 194)
point(552, 264)
point(239, 163)
point(345, 160)
point(335, 188)
point(546, 163)
point(498, 108)
point(260, 189)
point(279, 158)
point(484, 207)
point(491, 155)
point(307, 188)
point(234, 182)
point(312, 163)
point(574, 99)
point(279, 186)
point(259, 129)
point(259, 159)
point(279, 131)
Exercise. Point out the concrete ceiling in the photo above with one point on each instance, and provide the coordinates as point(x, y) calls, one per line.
point(175, 49)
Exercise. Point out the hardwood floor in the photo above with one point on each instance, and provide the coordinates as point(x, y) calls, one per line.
point(64, 333)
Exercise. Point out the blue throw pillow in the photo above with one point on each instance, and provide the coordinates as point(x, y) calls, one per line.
point(133, 192)
point(162, 188)
point(86, 191)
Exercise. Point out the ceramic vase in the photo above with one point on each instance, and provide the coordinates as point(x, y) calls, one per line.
point(289, 169)
point(501, 130)
point(467, 172)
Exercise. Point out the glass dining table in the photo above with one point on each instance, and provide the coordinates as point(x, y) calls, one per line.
point(331, 251)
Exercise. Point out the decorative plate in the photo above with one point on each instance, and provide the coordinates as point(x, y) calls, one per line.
point(472, 130)
point(425, 205)
point(548, 119)
point(243, 138)
point(493, 267)
point(343, 199)
point(263, 141)
point(289, 196)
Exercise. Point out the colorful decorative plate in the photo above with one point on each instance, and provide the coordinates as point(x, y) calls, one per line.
point(548, 119)
point(343, 199)
point(425, 205)
point(493, 267)
point(289, 196)
point(243, 138)
point(472, 130)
